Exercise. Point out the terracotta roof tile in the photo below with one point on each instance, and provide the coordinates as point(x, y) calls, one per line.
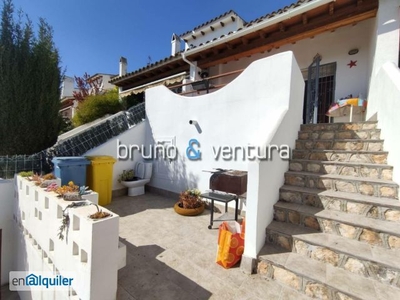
point(246, 25)
point(210, 21)
point(261, 19)
point(140, 70)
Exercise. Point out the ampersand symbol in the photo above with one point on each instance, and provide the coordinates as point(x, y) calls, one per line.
point(191, 152)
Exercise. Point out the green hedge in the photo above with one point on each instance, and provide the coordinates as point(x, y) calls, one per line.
point(97, 106)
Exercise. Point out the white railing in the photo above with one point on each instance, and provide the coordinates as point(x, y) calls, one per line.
point(90, 248)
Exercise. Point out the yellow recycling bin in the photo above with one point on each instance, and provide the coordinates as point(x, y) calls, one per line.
point(99, 177)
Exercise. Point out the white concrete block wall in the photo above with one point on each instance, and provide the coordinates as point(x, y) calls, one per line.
point(90, 248)
point(6, 225)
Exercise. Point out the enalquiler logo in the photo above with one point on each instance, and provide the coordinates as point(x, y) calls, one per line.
point(28, 281)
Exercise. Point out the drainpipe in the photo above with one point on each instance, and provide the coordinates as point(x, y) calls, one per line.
point(193, 67)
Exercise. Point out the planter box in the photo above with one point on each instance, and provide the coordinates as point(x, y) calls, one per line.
point(90, 248)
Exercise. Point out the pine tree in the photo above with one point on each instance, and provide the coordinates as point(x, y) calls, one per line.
point(30, 79)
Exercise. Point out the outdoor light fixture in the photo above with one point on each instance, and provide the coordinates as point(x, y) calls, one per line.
point(353, 51)
point(193, 122)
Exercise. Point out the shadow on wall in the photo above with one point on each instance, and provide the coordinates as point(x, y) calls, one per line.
point(178, 175)
point(170, 174)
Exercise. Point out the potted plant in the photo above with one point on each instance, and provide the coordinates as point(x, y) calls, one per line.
point(127, 175)
point(189, 203)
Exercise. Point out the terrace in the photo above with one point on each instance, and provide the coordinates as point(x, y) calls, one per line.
point(173, 257)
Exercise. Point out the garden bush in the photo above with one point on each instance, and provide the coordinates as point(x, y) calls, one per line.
point(97, 106)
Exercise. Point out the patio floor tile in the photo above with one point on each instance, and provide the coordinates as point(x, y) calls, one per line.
point(173, 257)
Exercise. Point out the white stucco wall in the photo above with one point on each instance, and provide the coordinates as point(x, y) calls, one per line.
point(266, 177)
point(105, 82)
point(384, 92)
point(67, 87)
point(385, 107)
point(134, 136)
point(262, 106)
point(333, 47)
point(6, 224)
point(386, 40)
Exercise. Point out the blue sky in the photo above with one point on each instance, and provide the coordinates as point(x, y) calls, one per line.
point(92, 35)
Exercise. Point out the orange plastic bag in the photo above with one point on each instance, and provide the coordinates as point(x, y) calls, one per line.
point(230, 243)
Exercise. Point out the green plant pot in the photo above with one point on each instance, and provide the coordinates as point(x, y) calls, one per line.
point(188, 211)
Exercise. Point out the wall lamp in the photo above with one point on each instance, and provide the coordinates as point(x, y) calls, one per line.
point(353, 51)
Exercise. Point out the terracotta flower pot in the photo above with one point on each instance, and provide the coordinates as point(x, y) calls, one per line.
point(188, 211)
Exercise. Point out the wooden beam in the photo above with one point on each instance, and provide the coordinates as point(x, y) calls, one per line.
point(317, 26)
point(304, 18)
point(229, 46)
point(263, 34)
point(244, 40)
point(215, 51)
point(359, 2)
point(331, 8)
point(282, 27)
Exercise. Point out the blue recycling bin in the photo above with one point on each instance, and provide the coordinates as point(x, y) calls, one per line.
point(71, 168)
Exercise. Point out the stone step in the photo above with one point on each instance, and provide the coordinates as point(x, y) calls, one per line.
point(282, 233)
point(369, 134)
point(340, 144)
point(317, 279)
point(354, 126)
point(363, 259)
point(372, 231)
point(359, 258)
point(373, 207)
point(374, 157)
point(378, 171)
point(350, 184)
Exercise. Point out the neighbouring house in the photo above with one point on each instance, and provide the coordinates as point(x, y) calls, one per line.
point(68, 101)
point(67, 97)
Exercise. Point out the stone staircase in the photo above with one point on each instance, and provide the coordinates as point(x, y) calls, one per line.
point(336, 227)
